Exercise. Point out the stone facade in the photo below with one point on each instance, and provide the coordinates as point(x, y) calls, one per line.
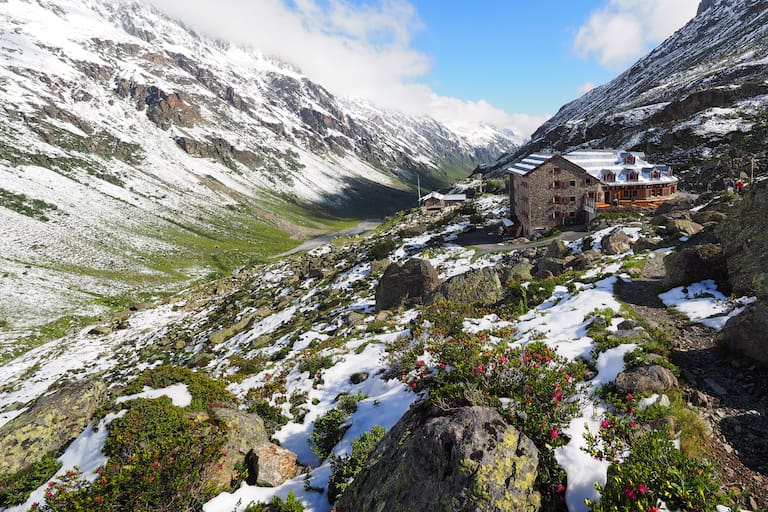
point(556, 193)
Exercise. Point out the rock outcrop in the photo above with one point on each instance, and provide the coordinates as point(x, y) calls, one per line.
point(49, 424)
point(464, 460)
point(744, 239)
point(406, 284)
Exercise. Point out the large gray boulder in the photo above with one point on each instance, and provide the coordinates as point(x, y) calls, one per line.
point(558, 249)
point(615, 243)
point(406, 285)
point(744, 334)
point(464, 460)
point(475, 286)
point(646, 378)
point(51, 423)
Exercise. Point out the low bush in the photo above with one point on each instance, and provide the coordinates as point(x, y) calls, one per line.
point(328, 430)
point(344, 469)
point(15, 489)
point(382, 247)
point(205, 390)
point(291, 504)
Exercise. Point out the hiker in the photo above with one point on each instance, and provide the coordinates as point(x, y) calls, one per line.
point(740, 187)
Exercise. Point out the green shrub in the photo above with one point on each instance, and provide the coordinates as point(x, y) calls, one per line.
point(273, 418)
point(205, 391)
point(382, 247)
point(329, 429)
point(314, 363)
point(656, 471)
point(344, 469)
point(15, 489)
point(291, 504)
point(348, 403)
point(160, 459)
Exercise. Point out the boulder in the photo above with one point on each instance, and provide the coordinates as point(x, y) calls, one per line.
point(554, 266)
point(654, 378)
point(247, 442)
point(406, 284)
point(693, 264)
point(49, 424)
point(584, 260)
point(744, 334)
point(558, 249)
point(674, 205)
point(615, 243)
point(475, 286)
point(519, 272)
point(270, 465)
point(683, 227)
point(463, 460)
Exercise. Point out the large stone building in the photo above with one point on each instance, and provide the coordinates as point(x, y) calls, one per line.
point(549, 190)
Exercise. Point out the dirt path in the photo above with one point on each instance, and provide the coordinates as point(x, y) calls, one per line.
point(361, 228)
point(731, 393)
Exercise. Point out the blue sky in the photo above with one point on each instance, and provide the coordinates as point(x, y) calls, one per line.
point(507, 63)
point(517, 55)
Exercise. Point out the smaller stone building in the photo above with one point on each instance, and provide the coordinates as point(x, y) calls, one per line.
point(552, 191)
point(436, 200)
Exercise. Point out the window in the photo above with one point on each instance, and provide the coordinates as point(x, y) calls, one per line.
point(610, 177)
point(572, 199)
point(656, 175)
point(573, 183)
point(587, 182)
point(632, 176)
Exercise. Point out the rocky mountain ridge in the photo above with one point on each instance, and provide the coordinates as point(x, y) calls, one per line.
point(699, 99)
point(131, 145)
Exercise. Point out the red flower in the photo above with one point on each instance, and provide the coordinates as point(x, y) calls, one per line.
point(654, 509)
point(629, 396)
point(420, 363)
point(413, 385)
point(605, 423)
point(558, 396)
point(503, 360)
point(442, 365)
point(554, 434)
point(560, 488)
point(642, 489)
point(51, 484)
point(629, 493)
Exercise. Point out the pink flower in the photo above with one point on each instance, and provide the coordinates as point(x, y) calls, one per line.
point(629, 396)
point(560, 488)
point(558, 395)
point(503, 360)
point(642, 489)
point(420, 363)
point(554, 434)
point(442, 365)
point(413, 385)
point(605, 423)
point(654, 509)
point(632, 424)
point(629, 493)
point(51, 484)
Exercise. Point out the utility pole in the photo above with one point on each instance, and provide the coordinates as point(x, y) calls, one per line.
point(418, 185)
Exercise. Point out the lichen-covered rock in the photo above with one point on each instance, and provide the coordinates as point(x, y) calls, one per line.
point(558, 249)
point(49, 424)
point(693, 264)
point(464, 460)
point(683, 227)
point(475, 286)
point(519, 272)
point(554, 266)
point(244, 432)
point(406, 284)
point(584, 260)
point(646, 378)
point(615, 243)
point(745, 333)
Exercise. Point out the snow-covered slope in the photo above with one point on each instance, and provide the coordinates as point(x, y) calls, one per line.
point(128, 141)
point(690, 99)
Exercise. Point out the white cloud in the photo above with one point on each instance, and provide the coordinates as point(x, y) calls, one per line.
point(586, 87)
point(353, 50)
point(624, 30)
